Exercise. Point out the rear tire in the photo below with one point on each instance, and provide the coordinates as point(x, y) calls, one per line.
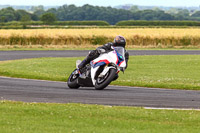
point(102, 83)
point(72, 81)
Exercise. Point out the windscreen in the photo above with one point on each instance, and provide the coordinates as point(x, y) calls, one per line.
point(120, 50)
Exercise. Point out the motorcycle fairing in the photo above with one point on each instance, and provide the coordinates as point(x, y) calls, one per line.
point(113, 56)
point(107, 58)
point(99, 63)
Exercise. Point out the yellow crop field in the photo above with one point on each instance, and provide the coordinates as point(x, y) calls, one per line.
point(153, 32)
point(138, 37)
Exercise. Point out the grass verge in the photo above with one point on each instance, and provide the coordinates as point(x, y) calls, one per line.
point(21, 117)
point(88, 47)
point(176, 72)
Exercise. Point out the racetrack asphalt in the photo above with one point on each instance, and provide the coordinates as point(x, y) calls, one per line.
point(13, 55)
point(58, 92)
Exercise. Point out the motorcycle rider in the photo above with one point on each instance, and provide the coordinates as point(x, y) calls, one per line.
point(119, 41)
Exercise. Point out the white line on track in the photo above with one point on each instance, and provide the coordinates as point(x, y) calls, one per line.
point(171, 108)
point(31, 79)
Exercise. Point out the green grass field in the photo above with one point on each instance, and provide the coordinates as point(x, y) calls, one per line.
point(16, 47)
point(18, 117)
point(178, 72)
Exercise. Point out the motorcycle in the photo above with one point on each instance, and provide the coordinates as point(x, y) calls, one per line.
point(100, 72)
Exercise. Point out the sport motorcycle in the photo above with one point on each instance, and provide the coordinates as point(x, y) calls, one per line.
point(100, 72)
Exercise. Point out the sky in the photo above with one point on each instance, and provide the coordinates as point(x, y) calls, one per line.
point(112, 3)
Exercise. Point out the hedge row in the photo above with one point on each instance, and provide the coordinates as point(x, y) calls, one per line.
point(98, 24)
point(158, 23)
point(67, 23)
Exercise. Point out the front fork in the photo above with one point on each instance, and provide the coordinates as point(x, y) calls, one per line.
point(103, 73)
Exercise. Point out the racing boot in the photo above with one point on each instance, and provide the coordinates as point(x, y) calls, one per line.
point(91, 56)
point(82, 65)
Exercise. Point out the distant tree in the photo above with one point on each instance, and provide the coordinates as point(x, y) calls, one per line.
point(52, 10)
point(22, 14)
point(156, 9)
point(196, 14)
point(134, 8)
point(48, 18)
point(88, 12)
point(39, 12)
point(2, 19)
point(183, 12)
point(34, 17)
point(25, 18)
point(172, 11)
point(8, 14)
point(153, 15)
point(36, 8)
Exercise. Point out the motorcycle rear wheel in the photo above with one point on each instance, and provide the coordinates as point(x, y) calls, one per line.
point(103, 82)
point(72, 80)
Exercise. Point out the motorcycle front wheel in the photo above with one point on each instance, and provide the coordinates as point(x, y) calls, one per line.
point(103, 82)
point(72, 80)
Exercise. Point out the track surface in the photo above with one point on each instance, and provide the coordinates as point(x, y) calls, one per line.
point(12, 55)
point(47, 91)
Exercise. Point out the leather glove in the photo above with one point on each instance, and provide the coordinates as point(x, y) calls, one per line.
point(101, 51)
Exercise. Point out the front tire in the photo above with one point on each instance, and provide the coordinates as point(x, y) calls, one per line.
point(102, 83)
point(72, 81)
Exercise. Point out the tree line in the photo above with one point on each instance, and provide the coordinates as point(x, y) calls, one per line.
point(89, 12)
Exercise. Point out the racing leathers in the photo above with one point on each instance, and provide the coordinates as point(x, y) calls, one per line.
point(100, 50)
